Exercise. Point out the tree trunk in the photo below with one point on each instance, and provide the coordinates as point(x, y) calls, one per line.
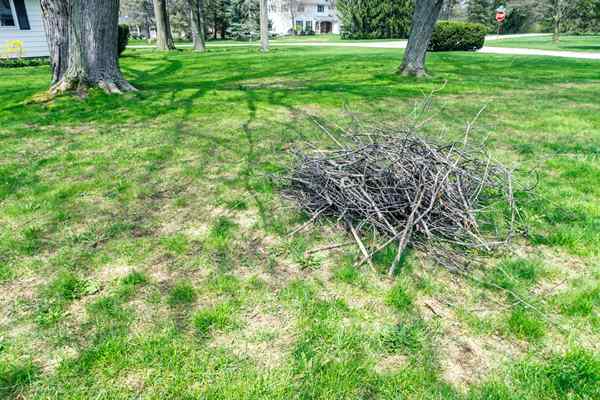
point(423, 23)
point(83, 41)
point(163, 29)
point(215, 27)
point(557, 19)
point(197, 16)
point(146, 29)
point(293, 7)
point(293, 14)
point(55, 17)
point(264, 26)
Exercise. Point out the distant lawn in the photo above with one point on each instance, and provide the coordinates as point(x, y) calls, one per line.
point(144, 249)
point(281, 39)
point(310, 38)
point(567, 43)
point(290, 38)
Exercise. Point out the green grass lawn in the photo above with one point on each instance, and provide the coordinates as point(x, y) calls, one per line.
point(144, 249)
point(567, 43)
point(281, 39)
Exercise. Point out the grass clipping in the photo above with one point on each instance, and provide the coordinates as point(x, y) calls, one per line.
point(395, 187)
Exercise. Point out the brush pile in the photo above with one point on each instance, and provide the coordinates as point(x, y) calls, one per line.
point(450, 200)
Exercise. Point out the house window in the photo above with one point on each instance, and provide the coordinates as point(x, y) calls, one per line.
point(300, 7)
point(299, 25)
point(309, 26)
point(6, 13)
point(321, 8)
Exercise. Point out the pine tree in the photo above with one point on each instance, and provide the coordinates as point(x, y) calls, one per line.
point(375, 19)
point(479, 11)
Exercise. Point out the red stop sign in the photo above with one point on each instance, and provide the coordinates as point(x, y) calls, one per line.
point(500, 16)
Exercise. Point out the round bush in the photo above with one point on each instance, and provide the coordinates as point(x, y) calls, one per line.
point(457, 36)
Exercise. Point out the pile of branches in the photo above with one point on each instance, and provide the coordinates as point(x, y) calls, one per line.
point(449, 200)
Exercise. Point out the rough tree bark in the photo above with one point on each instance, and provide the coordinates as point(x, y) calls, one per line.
point(57, 31)
point(163, 28)
point(83, 42)
point(198, 29)
point(264, 26)
point(423, 23)
point(293, 7)
point(557, 18)
point(146, 29)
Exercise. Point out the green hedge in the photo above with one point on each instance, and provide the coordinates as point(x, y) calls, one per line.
point(458, 36)
point(123, 38)
point(23, 62)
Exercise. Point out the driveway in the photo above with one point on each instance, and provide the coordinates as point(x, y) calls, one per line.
point(401, 44)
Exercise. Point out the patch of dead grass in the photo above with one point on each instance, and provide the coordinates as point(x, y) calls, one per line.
point(391, 364)
point(466, 358)
point(266, 337)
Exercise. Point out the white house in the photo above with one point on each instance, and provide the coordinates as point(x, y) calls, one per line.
point(319, 16)
point(22, 20)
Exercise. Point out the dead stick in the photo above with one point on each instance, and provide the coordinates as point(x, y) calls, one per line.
point(361, 246)
point(310, 221)
point(330, 247)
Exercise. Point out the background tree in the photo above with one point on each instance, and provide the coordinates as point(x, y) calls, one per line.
point(197, 24)
point(140, 16)
point(423, 23)
point(448, 9)
point(479, 11)
point(375, 19)
point(164, 37)
point(244, 20)
point(558, 16)
point(583, 16)
point(264, 26)
point(85, 34)
point(520, 17)
point(558, 8)
point(218, 18)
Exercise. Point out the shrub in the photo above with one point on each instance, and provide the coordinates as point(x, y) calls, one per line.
point(457, 36)
point(123, 38)
point(23, 62)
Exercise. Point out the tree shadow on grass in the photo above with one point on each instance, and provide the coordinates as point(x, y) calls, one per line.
point(185, 84)
point(581, 48)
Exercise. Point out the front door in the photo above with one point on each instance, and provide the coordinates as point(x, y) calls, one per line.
point(326, 27)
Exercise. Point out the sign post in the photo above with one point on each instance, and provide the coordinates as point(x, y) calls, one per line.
point(500, 17)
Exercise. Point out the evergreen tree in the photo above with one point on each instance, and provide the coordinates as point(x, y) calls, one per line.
point(479, 11)
point(375, 19)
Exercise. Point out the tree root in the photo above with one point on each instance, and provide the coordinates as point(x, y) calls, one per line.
point(410, 71)
point(81, 87)
point(117, 86)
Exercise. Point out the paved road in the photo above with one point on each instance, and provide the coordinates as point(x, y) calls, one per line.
point(536, 52)
point(401, 44)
